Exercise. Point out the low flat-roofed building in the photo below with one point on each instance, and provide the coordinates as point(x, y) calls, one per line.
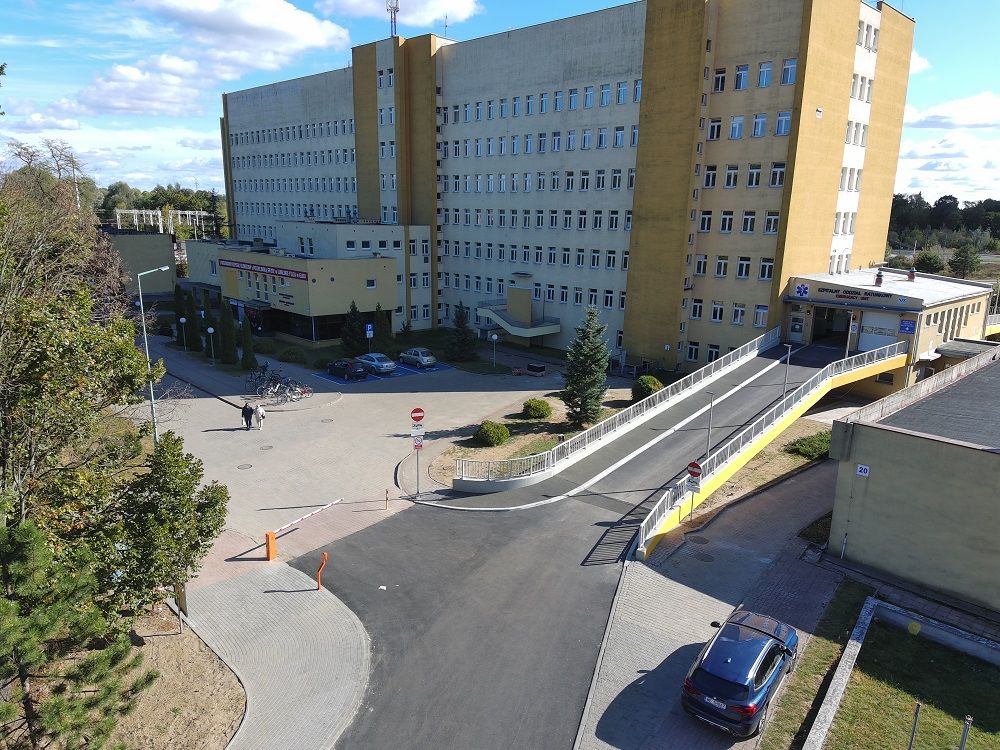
point(142, 251)
point(866, 309)
point(918, 487)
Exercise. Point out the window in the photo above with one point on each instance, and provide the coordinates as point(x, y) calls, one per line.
point(609, 298)
point(700, 265)
point(637, 90)
point(764, 75)
point(605, 94)
point(619, 141)
point(753, 176)
point(739, 313)
point(592, 297)
point(719, 82)
point(788, 71)
point(588, 98)
point(616, 179)
point(713, 352)
point(696, 308)
point(714, 129)
point(759, 126)
point(718, 309)
point(516, 107)
point(749, 218)
point(710, 173)
point(622, 90)
point(743, 267)
point(705, 222)
point(726, 223)
point(573, 97)
point(732, 175)
point(721, 265)
point(564, 294)
point(479, 110)
point(692, 351)
point(585, 180)
point(557, 101)
point(766, 268)
point(369, 283)
point(602, 137)
point(536, 292)
point(631, 178)
point(760, 316)
point(543, 103)
point(503, 108)
point(587, 139)
point(783, 126)
point(635, 136)
point(741, 80)
point(771, 222)
point(529, 104)
point(777, 174)
point(577, 295)
point(736, 127)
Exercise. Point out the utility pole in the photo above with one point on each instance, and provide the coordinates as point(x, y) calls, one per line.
point(392, 6)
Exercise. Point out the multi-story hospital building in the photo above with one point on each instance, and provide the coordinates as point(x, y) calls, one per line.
point(674, 163)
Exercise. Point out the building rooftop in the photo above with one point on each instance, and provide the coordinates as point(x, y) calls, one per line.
point(964, 411)
point(965, 348)
point(931, 289)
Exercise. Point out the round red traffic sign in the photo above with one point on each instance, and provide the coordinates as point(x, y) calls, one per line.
point(417, 414)
point(694, 469)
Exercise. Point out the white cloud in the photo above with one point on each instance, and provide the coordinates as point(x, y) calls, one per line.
point(10, 40)
point(36, 122)
point(956, 165)
point(978, 111)
point(208, 143)
point(918, 63)
point(15, 105)
point(411, 12)
point(142, 89)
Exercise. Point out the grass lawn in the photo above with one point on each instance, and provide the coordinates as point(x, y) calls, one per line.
point(895, 670)
point(790, 722)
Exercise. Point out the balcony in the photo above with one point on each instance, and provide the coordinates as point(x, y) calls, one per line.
point(494, 313)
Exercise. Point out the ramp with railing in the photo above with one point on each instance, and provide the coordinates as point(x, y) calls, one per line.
point(992, 325)
point(732, 455)
point(480, 477)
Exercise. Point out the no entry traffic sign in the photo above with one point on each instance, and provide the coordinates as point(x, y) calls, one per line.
point(417, 414)
point(694, 469)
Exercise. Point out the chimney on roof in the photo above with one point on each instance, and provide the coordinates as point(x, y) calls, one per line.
point(911, 274)
point(878, 278)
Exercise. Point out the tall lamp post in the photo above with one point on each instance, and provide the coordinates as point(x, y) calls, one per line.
point(211, 344)
point(788, 359)
point(184, 339)
point(145, 343)
point(493, 338)
point(711, 408)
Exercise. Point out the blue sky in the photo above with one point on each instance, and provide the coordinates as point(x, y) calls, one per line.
point(134, 85)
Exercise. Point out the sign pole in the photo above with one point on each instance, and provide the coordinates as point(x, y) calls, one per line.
point(418, 473)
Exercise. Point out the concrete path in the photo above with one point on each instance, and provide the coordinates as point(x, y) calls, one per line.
point(301, 654)
point(747, 553)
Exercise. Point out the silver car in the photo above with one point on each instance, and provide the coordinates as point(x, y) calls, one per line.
point(418, 357)
point(377, 363)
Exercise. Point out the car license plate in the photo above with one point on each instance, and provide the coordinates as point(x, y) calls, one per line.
point(713, 702)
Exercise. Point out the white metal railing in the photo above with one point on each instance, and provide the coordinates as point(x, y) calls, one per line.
point(993, 320)
point(513, 468)
point(675, 493)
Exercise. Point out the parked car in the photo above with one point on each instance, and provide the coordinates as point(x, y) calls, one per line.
point(418, 356)
point(348, 369)
point(738, 673)
point(377, 363)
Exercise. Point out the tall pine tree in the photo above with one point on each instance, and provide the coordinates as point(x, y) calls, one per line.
point(586, 368)
point(383, 328)
point(247, 359)
point(178, 313)
point(461, 345)
point(227, 331)
point(352, 332)
point(192, 329)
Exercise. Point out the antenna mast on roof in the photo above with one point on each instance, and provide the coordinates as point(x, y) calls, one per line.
point(446, 24)
point(392, 6)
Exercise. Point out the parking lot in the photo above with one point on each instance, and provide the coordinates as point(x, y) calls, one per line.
point(401, 371)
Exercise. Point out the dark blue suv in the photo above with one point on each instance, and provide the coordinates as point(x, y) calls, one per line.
point(731, 683)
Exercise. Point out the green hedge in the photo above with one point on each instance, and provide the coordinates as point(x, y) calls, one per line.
point(320, 363)
point(537, 408)
point(492, 433)
point(292, 354)
point(644, 387)
point(264, 346)
point(811, 446)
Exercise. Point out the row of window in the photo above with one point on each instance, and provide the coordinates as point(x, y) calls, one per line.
point(300, 185)
point(386, 115)
point(782, 126)
point(570, 100)
point(385, 78)
point(737, 315)
point(857, 133)
point(732, 175)
point(607, 259)
point(850, 179)
point(295, 159)
point(294, 210)
point(498, 146)
point(583, 219)
point(741, 77)
point(748, 226)
point(867, 36)
point(555, 180)
point(861, 88)
point(765, 270)
point(293, 132)
point(843, 222)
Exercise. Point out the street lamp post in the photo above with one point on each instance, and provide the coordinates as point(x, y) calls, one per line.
point(145, 343)
point(711, 408)
point(211, 344)
point(184, 339)
point(788, 359)
point(493, 338)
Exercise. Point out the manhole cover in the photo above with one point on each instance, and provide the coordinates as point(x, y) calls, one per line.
point(698, 539)
point(327, 420)
point(245, 466)
point(704, 556)
point(266, 447)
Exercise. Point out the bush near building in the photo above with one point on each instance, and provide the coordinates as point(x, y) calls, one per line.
point(492, 433)
point(537, 408)
point(645, 387)
point(292, 354)
point(811, 446)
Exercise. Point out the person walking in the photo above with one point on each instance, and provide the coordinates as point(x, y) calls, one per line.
point(247, 413)
point(258, 416)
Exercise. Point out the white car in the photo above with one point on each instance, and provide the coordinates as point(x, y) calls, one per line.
point(418, 356)
point(377, 364)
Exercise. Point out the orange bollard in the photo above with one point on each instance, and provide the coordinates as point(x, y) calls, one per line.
point(270, 546)
point(319, 573)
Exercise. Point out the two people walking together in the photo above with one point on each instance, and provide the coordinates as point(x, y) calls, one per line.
point(252, 415)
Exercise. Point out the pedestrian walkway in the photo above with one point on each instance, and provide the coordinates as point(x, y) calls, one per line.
point(302, 656)
point(747, 553)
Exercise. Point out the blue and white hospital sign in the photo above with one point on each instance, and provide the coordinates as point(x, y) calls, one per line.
point(908, 326)
point(801, 290)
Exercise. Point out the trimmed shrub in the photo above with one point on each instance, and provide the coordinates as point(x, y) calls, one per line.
point(492, 433)
point(811, 446)
point(537, 408)
point(320, 363)
point(644, 387)
point(292, 354)
point(263, 346)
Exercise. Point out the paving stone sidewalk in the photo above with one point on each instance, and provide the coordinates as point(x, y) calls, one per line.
point(749, 554)
point(302, 656)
